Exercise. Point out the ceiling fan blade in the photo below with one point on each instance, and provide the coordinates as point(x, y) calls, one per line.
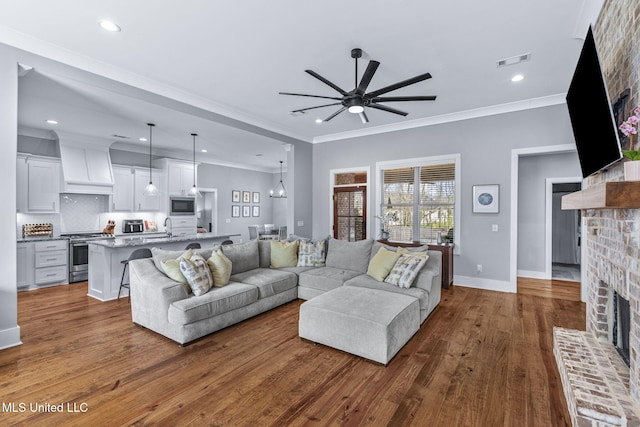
point(335, 114)
point(325, 81)
point(311, 96)
point(364, 117)
point(402, 98)
point(313, 108)
point(399, 85)
point(367, 76)
point(388, 109)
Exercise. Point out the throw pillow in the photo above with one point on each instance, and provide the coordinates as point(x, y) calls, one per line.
point(414, 252)
point(353, 256)
point(284, 254)
point(220, 267)
point(405, 270)
point(197, 273)
point(171, 268)
point(311, 253)
point(243, 256)
point(382, 263)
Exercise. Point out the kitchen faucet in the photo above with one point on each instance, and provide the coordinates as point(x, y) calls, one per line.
point(168, 230)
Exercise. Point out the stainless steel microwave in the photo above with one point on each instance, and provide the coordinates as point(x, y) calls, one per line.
point(182, 206)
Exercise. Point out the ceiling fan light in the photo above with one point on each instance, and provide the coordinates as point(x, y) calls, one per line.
point(356, 109)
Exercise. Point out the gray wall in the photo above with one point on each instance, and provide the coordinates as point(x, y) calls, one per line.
point(533, 171)
point(485, 146)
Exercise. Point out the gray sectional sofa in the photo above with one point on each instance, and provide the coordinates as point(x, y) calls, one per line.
point(164, 306)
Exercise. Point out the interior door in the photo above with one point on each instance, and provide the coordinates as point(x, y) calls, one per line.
point(350, 213)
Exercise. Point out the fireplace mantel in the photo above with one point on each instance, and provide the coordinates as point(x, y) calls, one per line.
point(605, 195)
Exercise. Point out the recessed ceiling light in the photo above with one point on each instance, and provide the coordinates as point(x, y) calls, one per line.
point(52, 122)
point(204, 150)
point(259, 155)
point(142, 139)
point(109, 26)
point(318, 120)
point(517, 78)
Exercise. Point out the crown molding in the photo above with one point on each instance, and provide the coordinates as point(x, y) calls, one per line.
point(492, 110)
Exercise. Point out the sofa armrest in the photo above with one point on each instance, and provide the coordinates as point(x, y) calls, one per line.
point(430, 275)
point(152, 292)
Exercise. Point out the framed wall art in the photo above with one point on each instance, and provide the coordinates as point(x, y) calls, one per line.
point(486, 198)
point(235, 211)
point(235, 196)
point(246, 196)
point(256, 197)
point(246, 211)
point(256, 211)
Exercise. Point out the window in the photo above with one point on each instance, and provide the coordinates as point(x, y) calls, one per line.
point(419, 200)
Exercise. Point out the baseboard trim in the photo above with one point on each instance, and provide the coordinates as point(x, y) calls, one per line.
point(10, 338)
point(534, 274)
point(486, 284)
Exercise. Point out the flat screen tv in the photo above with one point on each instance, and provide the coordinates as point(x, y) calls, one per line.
point(594, 127)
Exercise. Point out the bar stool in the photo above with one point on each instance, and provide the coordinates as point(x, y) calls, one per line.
point(194, 245)
point(137, 254)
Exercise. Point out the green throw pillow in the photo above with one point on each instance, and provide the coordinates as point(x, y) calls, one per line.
point(284, 254)
point(172, 268)
point(382, 263)
point(220, 267)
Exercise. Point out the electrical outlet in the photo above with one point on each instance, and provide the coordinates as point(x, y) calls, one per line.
point(494, 228)
point(228, 220)
point(300, 223)
point(479, 268)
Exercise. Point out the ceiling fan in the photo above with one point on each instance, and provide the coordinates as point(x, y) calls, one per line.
point(356, 100)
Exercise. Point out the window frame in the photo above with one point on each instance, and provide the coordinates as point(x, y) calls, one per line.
point(420, 162)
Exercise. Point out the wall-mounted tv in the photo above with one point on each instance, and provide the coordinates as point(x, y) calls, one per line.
point(594, 128)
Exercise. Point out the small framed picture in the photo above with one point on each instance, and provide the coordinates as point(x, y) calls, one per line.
point(486, 198)
point(246, 196)
point(246, 211)
point(256, 197)
point(235, 211)
point(235, 196)
point(256, 211)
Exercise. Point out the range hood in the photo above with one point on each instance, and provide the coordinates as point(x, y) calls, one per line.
point(86, 164)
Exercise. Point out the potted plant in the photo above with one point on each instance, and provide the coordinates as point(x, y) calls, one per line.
point(629, 128)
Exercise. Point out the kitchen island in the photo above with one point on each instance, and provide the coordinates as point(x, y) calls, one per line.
point(106, 256)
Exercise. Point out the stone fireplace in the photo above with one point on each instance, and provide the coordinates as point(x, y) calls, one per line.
point(599, 387)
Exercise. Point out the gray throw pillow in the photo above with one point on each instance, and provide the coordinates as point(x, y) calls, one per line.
point(352, 256)
point(243, 256)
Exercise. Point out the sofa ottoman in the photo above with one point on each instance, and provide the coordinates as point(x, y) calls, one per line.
point(369, 323)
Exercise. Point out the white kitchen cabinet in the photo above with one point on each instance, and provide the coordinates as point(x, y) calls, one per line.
point(25, 265)
point(122, 199)
point(178, 176)
point(184, 225)
point(144, 203)
point(21, 184)
point(43, 183)
point(42, 263)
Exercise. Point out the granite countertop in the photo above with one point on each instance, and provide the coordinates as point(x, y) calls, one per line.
point(41, 239)
point(132, 241)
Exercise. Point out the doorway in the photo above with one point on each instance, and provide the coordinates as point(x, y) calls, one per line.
point(350, 213)
point(207, 210)
point(565, 241)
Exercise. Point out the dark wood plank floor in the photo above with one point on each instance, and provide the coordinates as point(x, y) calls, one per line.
point(482, 359)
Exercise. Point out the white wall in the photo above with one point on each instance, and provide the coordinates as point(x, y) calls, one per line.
point(533, 171)
point(485, 146)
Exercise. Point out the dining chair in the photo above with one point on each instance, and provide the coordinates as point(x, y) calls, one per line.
point(282, 233)
point(268, 228)
point(253, 232)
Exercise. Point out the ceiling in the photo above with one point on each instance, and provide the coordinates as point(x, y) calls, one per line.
point(231, 58)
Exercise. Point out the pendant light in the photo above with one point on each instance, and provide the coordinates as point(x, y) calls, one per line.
point(194, 190)
point(279, 192)
point(150, 190)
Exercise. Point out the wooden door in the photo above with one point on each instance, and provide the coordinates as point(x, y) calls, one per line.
point(350, 213)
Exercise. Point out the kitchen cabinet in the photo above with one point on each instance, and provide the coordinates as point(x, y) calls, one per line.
point(86, 164)
point(144, 203)
point(25, 265)
point(21, 184)
point(42, 263)
point(43, 185)
point(178, 176)
point(122, 199)
point(183, 225)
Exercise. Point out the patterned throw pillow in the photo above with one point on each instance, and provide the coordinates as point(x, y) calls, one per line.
point(382, 263)
point(311, 253)
point(405, 270)
point(197, 273)
point(220, 267)
point(284, 254)
point(171, 268)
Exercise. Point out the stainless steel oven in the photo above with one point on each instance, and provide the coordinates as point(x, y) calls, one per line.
point(79, 254)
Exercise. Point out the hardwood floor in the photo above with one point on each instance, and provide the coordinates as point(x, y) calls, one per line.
point(482, 359)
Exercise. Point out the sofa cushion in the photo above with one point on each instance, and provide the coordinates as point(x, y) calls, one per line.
point(325, 278)
point(197, 273)
point(284, 254)
point(268, 281)
point(296, 270)
point(312, 253)
point(365, 281)
point(406, 269)
point(216, 301)
point(377, 245)
point(220, 267)
point(158, 255)
point(264, 253)
point(349, 255)
point(382, 263)
point(171, 267)
point(243, 256)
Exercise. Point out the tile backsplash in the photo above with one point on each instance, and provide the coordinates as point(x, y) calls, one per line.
point(81, 212)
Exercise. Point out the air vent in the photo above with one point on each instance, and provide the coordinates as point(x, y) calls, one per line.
point(513, 60)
